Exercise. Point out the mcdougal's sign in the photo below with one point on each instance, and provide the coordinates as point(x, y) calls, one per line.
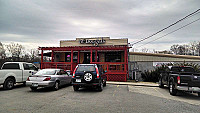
point(92, 41)
point(95, 41)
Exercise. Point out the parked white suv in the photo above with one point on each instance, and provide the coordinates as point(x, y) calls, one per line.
point(15, 72)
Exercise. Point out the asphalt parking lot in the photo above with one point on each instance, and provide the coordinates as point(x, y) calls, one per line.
point(114, 98)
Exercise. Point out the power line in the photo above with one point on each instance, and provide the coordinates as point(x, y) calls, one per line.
point(170, 32)
point(190, 15)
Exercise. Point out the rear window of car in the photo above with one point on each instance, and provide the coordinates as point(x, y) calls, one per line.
point(85, 68)
point(186, 69)
point(11, 66)
point(183, 69)
point(46, 72)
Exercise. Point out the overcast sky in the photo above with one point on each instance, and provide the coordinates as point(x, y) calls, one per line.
point(34, 23)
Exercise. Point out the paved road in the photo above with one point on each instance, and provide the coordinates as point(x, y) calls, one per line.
point(190, 98)
point(114, 98)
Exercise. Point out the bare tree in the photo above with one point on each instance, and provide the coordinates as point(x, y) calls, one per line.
point(15, 50)
point(174, 49)
point(181, 50)
point(34, 53)
point(193, 47)
point(2, 51)
point(198, 48)
point(145, 50)
point(187, 49)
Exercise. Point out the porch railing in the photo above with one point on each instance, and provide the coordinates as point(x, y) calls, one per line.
point(60, 65)
point(116, 71)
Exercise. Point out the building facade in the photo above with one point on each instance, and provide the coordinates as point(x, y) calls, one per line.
point(111, 54)
point(141, 62)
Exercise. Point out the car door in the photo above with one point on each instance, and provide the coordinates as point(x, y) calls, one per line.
point(60, 77)
point(29, 69)
point(66, 77)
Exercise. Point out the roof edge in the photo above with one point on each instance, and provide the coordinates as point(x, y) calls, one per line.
point(165, 55)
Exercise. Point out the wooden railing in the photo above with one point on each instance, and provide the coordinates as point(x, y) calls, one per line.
point(116, 71)
point(58, 65)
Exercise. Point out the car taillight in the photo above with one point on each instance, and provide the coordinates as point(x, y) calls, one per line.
point(97, 72)
point(47, 79)
point(28, 79)
point(74, 72)
point(178, 80)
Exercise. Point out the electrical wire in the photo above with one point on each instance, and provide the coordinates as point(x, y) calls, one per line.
point(170, 32)
point(188, 16)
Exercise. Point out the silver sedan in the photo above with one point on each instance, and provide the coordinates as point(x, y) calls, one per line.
point(49, 78)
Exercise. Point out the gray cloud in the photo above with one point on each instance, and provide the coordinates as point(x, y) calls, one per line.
point(45, 22)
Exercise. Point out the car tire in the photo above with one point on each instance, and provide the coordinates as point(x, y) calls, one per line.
point(8, 84)
point(88, 76)
point(33, 88)
point(70, 83)
point(100, 87)
point(198, 94)
point(75, 88)
point(56, 86)
point(24, 83)
point(104, 84)
point(172, 89)
point(161, 85)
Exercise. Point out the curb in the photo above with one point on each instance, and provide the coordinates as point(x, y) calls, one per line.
point(133, 84)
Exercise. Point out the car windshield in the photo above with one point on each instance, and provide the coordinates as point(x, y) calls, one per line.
point(85, 68)
point(46, 72)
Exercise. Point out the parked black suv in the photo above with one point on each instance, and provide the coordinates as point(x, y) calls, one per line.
point(88, 75)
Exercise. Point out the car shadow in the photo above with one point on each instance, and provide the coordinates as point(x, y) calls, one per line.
point(48, 89)
point(188, 95)
point(89, 89)
point(15, 87)
point(185, 95)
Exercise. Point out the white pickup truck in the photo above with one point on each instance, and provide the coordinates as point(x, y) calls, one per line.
point(15, 72)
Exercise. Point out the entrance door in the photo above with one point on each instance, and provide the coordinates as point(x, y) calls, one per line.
point(86, 58)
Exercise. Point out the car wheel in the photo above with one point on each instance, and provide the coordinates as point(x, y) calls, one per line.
point(24, 83)
point(33, 88)
point(104, 84)
point(56, 86)
point(75, 88)
point(70, 83)
point(172, 89)
point(100, 88)
point(88, 77)
point(8, 84)
point(161, 85)
point(198, 94)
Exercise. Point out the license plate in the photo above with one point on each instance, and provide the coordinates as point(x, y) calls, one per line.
point(34, 84)
point(78, 80)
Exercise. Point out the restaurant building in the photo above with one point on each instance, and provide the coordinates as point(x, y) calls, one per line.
point(111, 54)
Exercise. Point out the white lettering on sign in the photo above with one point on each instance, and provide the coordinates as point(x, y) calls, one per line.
point(159, 64)
point(95, 42)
